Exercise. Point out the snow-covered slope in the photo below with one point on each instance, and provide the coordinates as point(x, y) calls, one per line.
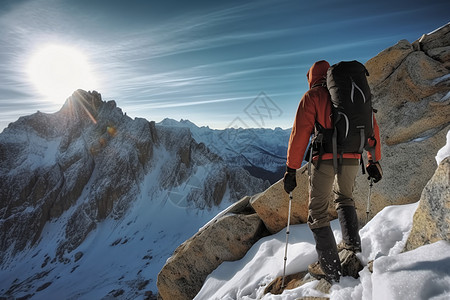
point(261, 151)
point(423, 273)
point(119, 257)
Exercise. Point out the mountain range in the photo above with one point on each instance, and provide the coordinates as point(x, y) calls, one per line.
point(91, 196)
point(261, 151)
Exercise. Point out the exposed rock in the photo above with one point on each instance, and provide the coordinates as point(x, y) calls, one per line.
point(291, 281)
point(384, 64)
point(436, 39)
point(370, 266)
point(350, 263)
point(441, 54)
point(227, 239)
point(272, 205)
point(351, 266)
point(294, 281)
point(78, 256)
point(412, 116)
point(44, 286)
point(431, 221)
point(242, 207)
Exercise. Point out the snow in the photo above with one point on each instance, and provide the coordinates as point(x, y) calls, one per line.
point(423, 273)
point(41, 152)
point(441, 79)
point(419, 274)
point(118, 254)
point(444, 151)
point(437, 29)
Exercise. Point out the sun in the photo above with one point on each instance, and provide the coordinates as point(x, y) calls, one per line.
point(57, 71)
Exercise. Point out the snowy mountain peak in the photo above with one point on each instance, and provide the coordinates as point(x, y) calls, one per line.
point(81, 174)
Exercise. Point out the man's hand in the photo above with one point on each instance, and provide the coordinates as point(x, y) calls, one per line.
point(290, 181)
point(374, 171)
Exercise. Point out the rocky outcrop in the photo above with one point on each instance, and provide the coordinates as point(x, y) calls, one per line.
point(410, 90)
point(386, 62)
point(431, 221)
point(227, 238)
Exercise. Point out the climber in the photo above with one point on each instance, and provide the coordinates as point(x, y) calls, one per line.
point(315, 110)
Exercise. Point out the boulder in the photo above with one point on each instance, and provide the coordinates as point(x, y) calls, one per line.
point(431, 221)
point(227, 239)
point(350, 263)
point(272, 205)
point(441, 54)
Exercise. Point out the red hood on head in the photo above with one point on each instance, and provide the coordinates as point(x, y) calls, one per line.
point(318, 72)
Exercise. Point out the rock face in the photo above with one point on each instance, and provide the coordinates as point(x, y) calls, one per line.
point(227, 238)
point(410, 87)
point(431, 221)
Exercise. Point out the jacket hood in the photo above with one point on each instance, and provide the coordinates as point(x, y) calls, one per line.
point(318, 72)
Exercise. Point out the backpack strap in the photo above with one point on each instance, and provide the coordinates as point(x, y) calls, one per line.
point(320, 139)
point(362, 138)
point(361, 162)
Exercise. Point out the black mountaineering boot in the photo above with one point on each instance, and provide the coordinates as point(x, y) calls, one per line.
point(329, 265)
point(350, 230)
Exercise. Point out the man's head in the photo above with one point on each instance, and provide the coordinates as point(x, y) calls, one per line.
point(318, 72)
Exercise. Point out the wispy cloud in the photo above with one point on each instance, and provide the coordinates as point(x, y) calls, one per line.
point(190, 58)
point(192, 103)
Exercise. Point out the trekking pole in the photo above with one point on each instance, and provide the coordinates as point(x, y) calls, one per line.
point(368, 200)
point(287, 239)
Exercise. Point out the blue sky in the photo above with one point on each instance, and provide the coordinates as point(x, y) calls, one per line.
point(216, 63)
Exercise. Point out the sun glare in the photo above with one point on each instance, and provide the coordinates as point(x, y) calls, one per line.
point(57, 71)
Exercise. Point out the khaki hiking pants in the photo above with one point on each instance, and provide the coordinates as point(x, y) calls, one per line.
point(321, 184)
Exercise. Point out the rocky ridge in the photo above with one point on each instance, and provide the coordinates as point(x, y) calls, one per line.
point(261, 151)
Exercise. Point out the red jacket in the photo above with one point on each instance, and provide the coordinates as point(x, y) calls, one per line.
point(316, 106)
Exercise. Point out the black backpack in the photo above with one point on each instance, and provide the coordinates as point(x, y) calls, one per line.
point(352, 113)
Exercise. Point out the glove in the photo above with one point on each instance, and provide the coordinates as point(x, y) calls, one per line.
point(290, 181)
point(374, 171)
